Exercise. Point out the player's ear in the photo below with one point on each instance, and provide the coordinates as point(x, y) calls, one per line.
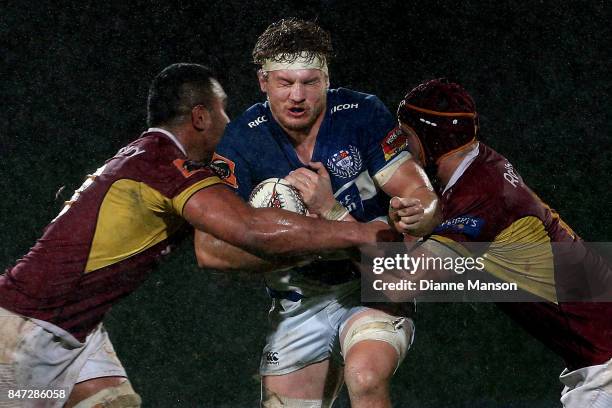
point(200, 117)
point(262, 76)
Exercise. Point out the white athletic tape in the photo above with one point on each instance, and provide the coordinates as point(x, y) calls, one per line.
point(270, 399)
point(388, 171)
point(396, 331)
point(300, 61)
point(337, 213)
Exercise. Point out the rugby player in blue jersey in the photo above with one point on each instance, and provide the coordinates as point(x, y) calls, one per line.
point(342, 150)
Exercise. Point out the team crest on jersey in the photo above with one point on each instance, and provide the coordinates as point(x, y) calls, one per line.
point(346, 163)
point(395, 142)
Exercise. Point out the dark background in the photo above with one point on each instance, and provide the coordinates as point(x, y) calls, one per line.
point(74, 78)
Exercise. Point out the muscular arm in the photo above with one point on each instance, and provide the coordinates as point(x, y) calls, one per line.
point(420, 212)
point(266, 231)
point(216, 254)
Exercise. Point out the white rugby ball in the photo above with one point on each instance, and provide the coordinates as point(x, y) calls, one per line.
point(277, 193)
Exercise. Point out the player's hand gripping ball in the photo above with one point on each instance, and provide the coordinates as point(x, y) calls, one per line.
point(277, 193)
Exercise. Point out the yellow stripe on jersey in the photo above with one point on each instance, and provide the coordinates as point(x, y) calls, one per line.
point(133, 217)
point(180, 200)
point(452, 244)
point(522, 253)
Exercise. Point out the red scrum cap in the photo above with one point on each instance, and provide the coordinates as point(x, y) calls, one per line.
point(442, 115)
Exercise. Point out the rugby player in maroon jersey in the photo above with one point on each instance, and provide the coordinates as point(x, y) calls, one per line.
point(116, 227)
point(482, 189)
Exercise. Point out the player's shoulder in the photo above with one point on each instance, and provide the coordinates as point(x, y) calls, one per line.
point(493, 181)
point(348, 99)
point(250, 129)
point(488, 169)
point(501, 173)
point(153, 146)
point(155, 155)
point(357, 109)
point(255, 118)
point(475, 205)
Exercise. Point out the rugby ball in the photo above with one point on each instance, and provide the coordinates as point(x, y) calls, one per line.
point(277, 193)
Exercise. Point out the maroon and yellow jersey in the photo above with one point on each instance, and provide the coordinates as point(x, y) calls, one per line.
point(106, 239)
point(526, 242)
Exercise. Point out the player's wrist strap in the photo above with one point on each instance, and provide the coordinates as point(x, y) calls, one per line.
point(337, 213)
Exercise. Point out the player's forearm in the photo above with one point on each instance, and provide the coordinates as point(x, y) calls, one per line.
point(421, 214)
point(301, 235)
point(212, 253)
point(267, 232)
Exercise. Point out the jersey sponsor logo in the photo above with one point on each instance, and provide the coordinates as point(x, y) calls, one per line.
point(344, 106)
point(219, 166)
point(224, 168)
point(258, 121)
point(271, 357)
point(189, 167)
point(470, 226)
point(511, 176)
point(395, 142)
point(345, 163)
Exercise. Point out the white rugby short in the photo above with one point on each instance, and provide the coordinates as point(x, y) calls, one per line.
point(307, 331)
point(587, 387)
point(36, 355)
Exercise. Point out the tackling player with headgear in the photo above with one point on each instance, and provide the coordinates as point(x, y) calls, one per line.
point(485, 201)
point(341, 150)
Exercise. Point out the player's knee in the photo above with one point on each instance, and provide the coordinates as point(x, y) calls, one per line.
point(364, 380)
point(121, 396)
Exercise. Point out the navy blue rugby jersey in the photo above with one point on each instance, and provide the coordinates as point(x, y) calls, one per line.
point(357, 139)
point(351, 143)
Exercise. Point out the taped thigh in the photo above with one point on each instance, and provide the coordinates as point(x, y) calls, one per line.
point(122, 396)
point(270, 399)
point(396, 331)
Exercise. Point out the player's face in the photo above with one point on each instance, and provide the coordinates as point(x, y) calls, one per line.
point(297, 97)
point(414, 145)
